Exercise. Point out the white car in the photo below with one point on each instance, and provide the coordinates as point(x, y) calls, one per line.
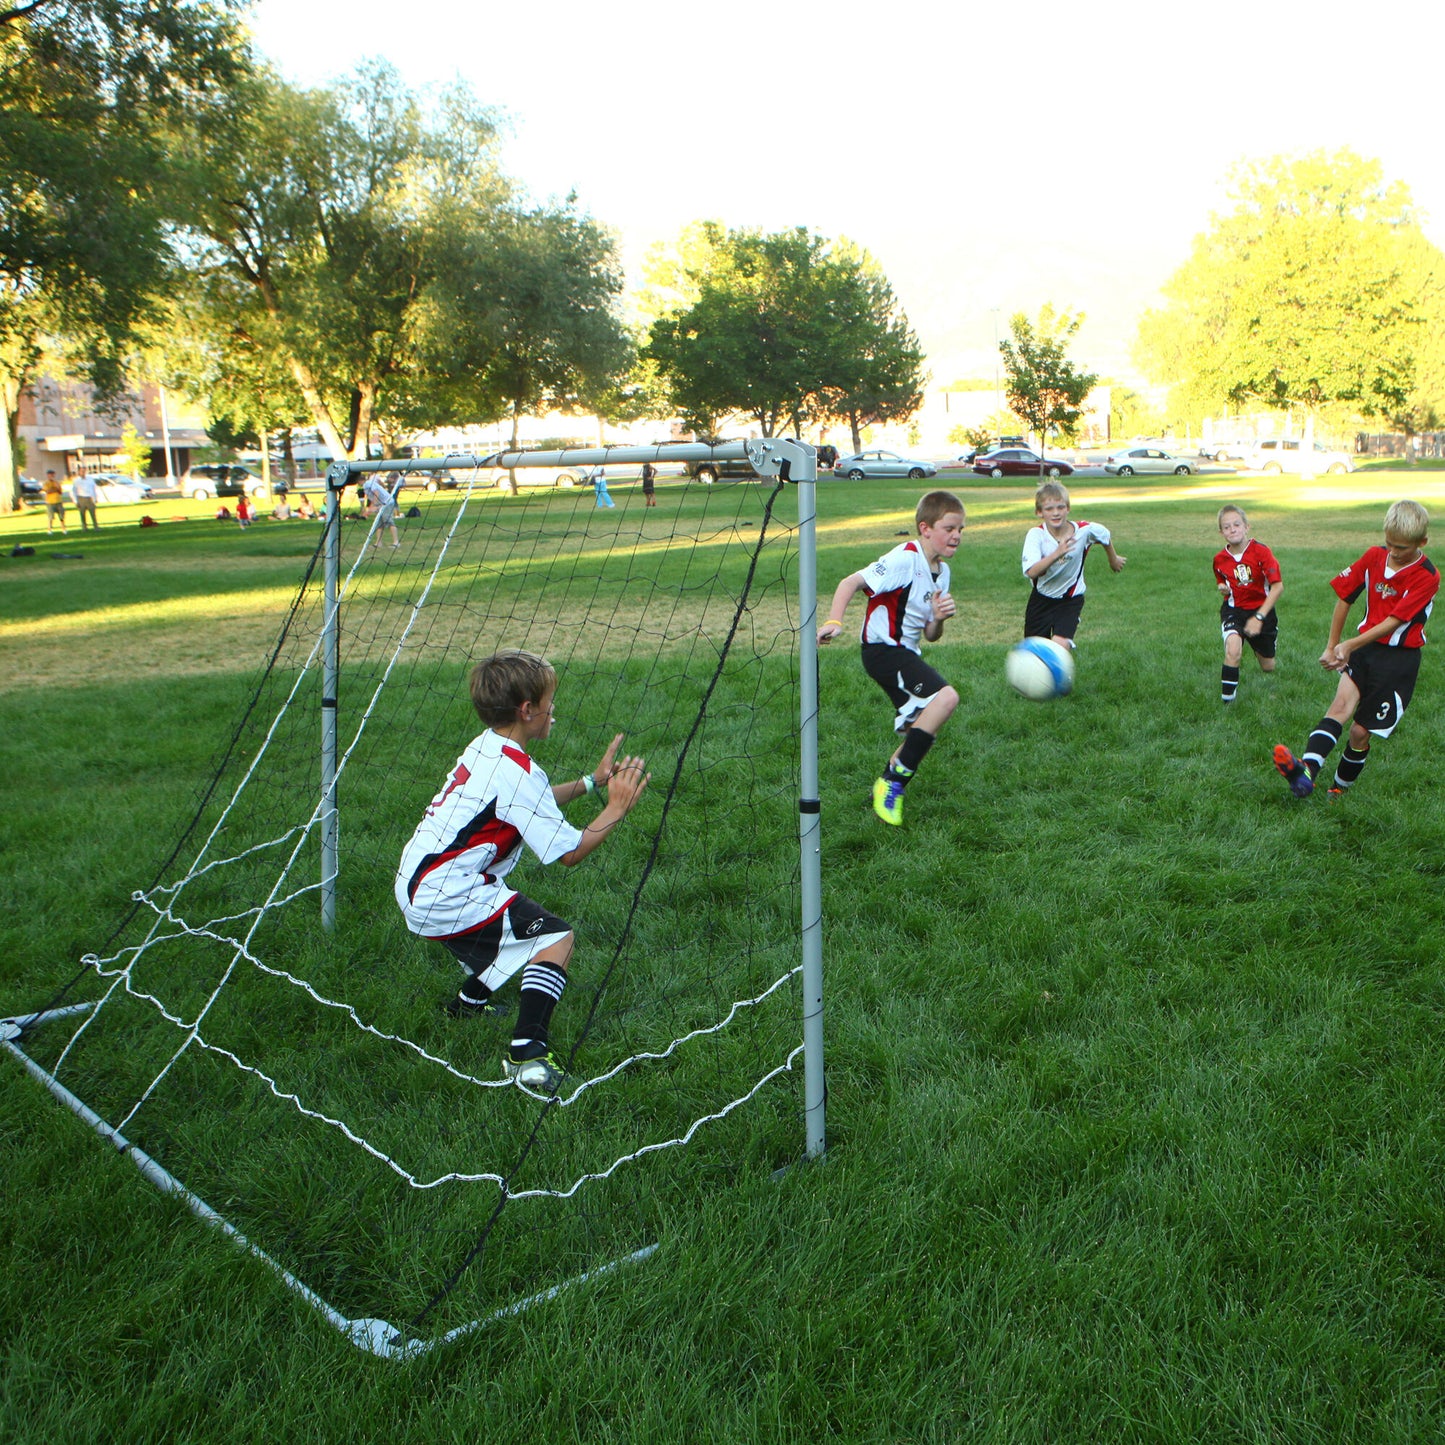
point(879, 463)
point(1146, 460)
point(113, 487)
point(1274, 457)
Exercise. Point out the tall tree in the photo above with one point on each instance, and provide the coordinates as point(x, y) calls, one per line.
point(1314, 290)
point(1043, 386)
point(90, 96)
point(878, 371)
point(377, 249)
point(783, 328)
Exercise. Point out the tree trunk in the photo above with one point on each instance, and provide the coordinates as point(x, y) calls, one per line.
point(856, 432)
point(9, 479)
point(510, 485)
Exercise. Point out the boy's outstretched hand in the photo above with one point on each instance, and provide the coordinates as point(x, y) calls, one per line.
point(625, 786)
point(602, 773)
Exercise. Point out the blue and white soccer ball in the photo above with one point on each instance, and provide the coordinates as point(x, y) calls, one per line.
point(1040, 668)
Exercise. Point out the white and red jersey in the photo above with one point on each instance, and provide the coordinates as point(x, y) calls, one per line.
point(1407, 593)
point(1066, 577)
point(1248, 576)
point(450, 877)
point(900, 587)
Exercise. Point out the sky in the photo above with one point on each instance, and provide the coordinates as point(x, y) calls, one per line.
point(991, 161)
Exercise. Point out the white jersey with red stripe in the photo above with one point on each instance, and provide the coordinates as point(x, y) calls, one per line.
point(900, 587)
point(1066, 577)
point(495, 799)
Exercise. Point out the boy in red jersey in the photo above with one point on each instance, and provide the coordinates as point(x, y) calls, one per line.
point(1248, 577)
point(1054, 555)
point(908, 599)
point(450, 880)
point(1378, 665)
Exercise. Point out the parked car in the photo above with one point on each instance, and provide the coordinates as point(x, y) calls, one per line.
point(876, 462)
point(711, 471)
point(117, 487)
point(217, 479)
point(1231, 449)
point(1145, 460)
point(1020, 462)
point(1274, 457)
point(30, 490)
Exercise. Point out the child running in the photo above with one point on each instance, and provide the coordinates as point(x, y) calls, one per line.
point(1247, 575)
point(1379, 664)
point(1054, 555)
point(908, 599)
point(450, 882)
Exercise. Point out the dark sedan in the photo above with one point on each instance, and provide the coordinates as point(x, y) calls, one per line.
point(1020, 462)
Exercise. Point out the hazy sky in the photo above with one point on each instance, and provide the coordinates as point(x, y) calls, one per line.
point(990, 161)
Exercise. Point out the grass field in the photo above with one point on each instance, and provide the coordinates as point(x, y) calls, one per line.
point(1134, 1063)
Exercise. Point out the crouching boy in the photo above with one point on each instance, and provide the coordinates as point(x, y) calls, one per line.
point(450, 883)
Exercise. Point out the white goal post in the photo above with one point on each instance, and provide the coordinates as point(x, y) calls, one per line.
point(794, 462)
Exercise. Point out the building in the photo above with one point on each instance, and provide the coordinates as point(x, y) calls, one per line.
point(66, 431)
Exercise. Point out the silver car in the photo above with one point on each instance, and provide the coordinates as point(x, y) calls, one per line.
point(1146, 460)
point(879, 463)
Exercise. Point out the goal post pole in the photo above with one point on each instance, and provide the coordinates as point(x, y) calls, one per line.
point(337, 476)
point(798, 464)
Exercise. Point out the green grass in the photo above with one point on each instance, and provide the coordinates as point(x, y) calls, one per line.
point(1133, 1062)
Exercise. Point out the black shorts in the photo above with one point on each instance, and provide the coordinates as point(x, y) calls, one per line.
point(1385, 677)
point(502, 945)
point(909, 681)
point(1052, 616)
point(1232, 619)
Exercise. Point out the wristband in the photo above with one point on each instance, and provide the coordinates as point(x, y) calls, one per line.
point(832, 622)
point(590, 783)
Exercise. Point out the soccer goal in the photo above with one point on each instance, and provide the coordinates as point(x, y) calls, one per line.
point(266, 1040)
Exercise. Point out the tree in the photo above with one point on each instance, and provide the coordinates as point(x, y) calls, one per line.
point(1042, 385)
point(877, 362)
point(378, 251)
point(90, 97)
point(1315, 290)
point(785, 328)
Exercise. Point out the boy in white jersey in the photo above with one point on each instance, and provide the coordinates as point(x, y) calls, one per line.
point(908, 599)
point(1054, 556)
point(450, 880)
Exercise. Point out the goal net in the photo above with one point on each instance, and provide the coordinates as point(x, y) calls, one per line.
point(306, 1082)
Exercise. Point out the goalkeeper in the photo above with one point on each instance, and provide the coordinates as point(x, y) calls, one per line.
point(450, 883)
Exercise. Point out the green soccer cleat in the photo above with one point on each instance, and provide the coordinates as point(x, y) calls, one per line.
point(1293, 772)
point(888, 801)
point(542, 1071)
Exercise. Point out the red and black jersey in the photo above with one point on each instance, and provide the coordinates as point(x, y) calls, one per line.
point(1407, 593)
point(1248, 576)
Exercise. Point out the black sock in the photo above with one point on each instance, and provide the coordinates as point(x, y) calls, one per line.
point(916, 743)
point(1321, 742)
point(1228, 682)
point(1352, 764)
point(542, 985)
point(474, 990)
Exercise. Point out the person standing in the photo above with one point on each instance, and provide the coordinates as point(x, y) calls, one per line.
point(649, 484)
point(83, 490)
point(54, 504)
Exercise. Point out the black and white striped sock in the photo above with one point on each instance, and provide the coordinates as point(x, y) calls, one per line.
point(542, 985)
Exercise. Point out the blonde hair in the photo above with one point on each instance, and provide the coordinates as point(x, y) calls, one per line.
point(502, 682)
point(1231, 507)
point(1407, 522)
point(934, 506)
point(1050, 492)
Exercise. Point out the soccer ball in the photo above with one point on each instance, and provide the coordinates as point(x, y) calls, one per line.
point(1040, 668)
